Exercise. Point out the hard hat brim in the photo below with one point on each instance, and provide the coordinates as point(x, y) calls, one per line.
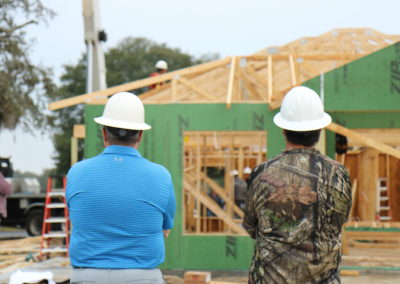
point(305, 125)
point(121, 124)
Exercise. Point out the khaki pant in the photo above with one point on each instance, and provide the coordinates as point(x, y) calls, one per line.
point(116, 276)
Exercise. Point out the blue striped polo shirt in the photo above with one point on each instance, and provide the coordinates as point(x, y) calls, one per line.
point(119, 204)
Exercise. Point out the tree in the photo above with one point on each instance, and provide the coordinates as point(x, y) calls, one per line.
point(131, 59)
point(23, 86)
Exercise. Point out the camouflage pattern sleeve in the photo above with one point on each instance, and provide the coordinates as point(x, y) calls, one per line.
point(342, 191)
point(250, 216)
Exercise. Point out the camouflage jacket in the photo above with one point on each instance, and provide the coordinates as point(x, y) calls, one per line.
point(295, 208)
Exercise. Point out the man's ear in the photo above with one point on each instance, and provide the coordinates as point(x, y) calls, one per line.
point(140, 136)
point(105, 138)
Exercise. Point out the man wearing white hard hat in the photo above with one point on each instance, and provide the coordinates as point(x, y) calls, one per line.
point(121, 205)
point(298, 201)
point(161, 67)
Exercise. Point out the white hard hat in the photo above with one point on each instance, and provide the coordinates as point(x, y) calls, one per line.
point(302, 110)
point(247, 170)
point(124, 110)
point(234, 173)
point(161, 64)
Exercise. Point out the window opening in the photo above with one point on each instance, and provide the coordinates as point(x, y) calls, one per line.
point(216, 166)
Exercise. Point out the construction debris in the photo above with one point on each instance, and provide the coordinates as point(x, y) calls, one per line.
point(197, 277)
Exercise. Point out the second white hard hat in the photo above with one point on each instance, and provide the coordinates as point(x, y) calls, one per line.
point(247, 170)
point(124, 110)
point(302, 110)
point(161, 64)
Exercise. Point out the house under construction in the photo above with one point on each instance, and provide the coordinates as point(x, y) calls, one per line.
point(210, 119)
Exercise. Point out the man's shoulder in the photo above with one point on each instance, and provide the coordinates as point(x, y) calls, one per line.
point(263, 167)
point(157, 168)
point(329, 160)
point(81, 165)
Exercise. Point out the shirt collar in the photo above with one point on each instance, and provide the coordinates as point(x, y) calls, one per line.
point(121, 150)
point(301, 150)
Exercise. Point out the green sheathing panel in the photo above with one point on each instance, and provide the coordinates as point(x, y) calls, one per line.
point(362, 94)
point(163, 144)
point(371, 83)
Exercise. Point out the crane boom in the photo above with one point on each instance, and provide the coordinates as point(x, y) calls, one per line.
point(96, 69)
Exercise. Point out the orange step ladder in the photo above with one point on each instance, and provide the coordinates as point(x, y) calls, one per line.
point(55, 229)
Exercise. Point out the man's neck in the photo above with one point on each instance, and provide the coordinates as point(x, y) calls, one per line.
point(290, 146)
point(135, 146)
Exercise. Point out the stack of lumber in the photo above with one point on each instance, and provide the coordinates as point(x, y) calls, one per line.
point(373, 234)
point(16, 254)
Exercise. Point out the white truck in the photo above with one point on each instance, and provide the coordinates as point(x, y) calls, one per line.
point(25, 206)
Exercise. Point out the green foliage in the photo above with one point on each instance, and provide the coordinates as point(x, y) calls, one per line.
point(130, 60)
point(72, 83)
point(23, 86)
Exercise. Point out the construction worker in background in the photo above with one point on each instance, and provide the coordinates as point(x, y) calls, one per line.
point(161, 67)
point(298, 201)
point(5, 190)
point(246, 174)
point(240, 187)
point(121, 205)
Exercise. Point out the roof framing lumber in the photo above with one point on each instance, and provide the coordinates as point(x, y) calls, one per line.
point(231, 82)
point(273, 71)
point(381, 147)
point(195, 88)
point(86, 98)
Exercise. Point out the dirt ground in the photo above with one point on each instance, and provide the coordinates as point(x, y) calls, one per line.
point(19, 254)
point(362, 279)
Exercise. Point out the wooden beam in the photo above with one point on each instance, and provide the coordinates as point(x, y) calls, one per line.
point(374, 235)
point(87, 98)
point(231, 83)
point(389, 136)
point(353, 197)
point(250, 85)
point(270, 83)
point(209, 203)
point(367, 184)
point(372, 224)
point(152, 92)
point(174, 91)
point(259, 79)
point(277, 98)
point(221, 192)
point(198, 180)
point(74, 150)
point(292, 70)
point(312, 72)
point(353, 273)
point(195, 88)
point(316, 57)
point(373, 143)
point(79, 131)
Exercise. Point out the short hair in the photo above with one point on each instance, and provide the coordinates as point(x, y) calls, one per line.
point(121, 135)
point(304, 138)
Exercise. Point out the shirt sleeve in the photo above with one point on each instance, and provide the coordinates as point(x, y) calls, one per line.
point(168, 222)
point(341, 190)
point(250, 217)
point(5, 187)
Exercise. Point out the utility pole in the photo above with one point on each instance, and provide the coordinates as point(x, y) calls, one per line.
point(96, 70)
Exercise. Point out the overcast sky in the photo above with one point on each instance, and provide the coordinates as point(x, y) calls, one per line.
point(227, 27)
